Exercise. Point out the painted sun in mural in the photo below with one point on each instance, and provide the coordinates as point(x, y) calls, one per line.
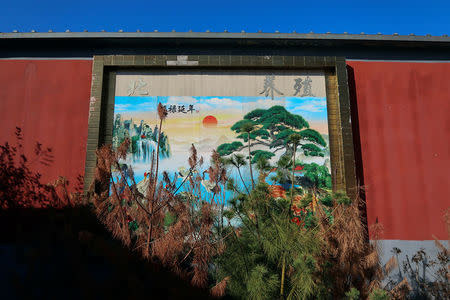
point(209, 121)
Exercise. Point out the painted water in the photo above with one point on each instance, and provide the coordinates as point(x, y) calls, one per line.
point(144, 151)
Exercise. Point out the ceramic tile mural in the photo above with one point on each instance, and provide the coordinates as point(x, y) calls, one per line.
point(212, 122)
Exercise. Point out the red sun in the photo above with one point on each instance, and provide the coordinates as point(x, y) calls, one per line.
point(209, 121)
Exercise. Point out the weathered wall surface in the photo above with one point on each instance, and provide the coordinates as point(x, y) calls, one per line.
point(49, 100)
point(403, 113)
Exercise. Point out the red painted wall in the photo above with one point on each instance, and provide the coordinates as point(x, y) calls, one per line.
point(404, 123)
point(49, 100)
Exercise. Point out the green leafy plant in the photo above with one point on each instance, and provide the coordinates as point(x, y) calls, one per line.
point(379, 294)
point(352, 294)
point(315, 176)
point(266, 246)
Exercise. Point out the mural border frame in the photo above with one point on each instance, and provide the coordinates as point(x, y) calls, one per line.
point(105, 68)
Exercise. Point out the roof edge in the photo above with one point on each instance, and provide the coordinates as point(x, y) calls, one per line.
point(225, 35)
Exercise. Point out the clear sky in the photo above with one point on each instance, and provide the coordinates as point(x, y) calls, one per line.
point(313, 108)
point(336, 16)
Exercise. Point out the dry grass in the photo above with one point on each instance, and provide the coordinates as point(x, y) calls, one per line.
point(218, 290)
point(353, 261)
point(185, 246)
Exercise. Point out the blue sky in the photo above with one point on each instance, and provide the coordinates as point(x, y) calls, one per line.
point(311, 108)
point(387, 17)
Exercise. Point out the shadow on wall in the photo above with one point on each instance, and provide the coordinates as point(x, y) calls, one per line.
point(21, 187)
point(52, 246)
point(67, 253)
point(425, 264)
point(357, 142)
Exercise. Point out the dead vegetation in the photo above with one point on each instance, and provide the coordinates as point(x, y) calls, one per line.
point(348, 259)
point(173, 224)
point(167, 227)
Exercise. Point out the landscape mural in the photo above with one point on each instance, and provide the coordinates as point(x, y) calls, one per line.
point(215, 123)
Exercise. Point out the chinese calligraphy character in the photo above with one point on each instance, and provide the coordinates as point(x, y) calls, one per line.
point(269, 86)
point(172, 109)
point(307, 87)
point(298, 85)
point(137, 87)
